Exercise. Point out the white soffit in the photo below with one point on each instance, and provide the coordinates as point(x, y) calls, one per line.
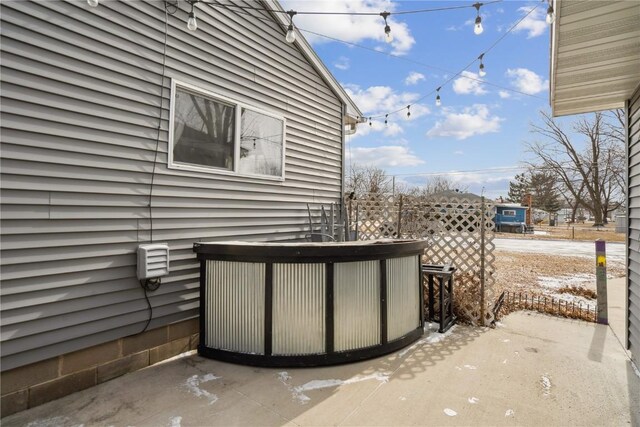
point(595, 55)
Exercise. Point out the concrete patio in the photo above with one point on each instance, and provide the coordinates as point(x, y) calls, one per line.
point(531, 370)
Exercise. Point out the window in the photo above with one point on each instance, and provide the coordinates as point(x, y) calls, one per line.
point(509, 212)
point(210, 133)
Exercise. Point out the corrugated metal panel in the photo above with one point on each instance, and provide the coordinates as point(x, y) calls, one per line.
point(633, 242)
point(356, 304)
point(403, 297)
point(298, 328)
point(235, 306)
point(83, 103)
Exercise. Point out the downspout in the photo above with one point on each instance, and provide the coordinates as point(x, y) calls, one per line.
point(344, 154)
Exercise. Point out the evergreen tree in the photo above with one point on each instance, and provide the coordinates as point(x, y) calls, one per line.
point(518, 188)
point(543, 187)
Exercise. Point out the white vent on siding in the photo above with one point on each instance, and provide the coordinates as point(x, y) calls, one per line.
point(153, 260)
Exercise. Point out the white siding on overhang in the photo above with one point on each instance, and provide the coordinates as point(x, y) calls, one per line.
point(595, 57)
point(82, 97)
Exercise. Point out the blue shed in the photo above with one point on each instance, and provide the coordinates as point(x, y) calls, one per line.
point(511, 218)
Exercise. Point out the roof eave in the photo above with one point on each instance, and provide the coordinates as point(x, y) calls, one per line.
point(353, 113)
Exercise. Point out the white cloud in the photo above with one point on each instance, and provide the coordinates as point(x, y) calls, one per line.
point(459, 153)
point(527, 81)
point(342, 63)
point(468, 83)
point(349, 27)
point(379, 100)
point(504, 94)
point(534, 23)
point(474, 120)
point(413, 78)
point(385, 156)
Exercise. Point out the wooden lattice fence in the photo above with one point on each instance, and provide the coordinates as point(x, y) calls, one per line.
point(460, 232)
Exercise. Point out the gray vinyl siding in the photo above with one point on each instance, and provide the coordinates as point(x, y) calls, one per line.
point(633, 135)
point(83, 103)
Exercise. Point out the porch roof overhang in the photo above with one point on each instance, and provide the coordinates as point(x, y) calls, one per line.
point(595, 55)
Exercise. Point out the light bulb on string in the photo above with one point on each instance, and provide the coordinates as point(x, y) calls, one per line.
point(477, 28)
point(370, 124)
point(192, 23)
point(551, 16)
point(408, 112)
point(438, 101)
point(481, 70)
point(93, 3)
point(386, 119)
point(388, 37)
point(291, 34)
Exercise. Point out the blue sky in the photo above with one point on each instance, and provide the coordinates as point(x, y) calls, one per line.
point(479, 126)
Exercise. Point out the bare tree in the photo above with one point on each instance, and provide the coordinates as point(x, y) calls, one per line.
point(586, 173)
point(364, 179)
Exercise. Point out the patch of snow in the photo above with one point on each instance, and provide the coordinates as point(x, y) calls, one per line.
point(470, 367)
point(402, 398)
point(506, 340)
point(500, 325)
point(458, 368)
point(504, 362)
point(509, 413)
point(473, 400)
point(433, 338)
point(51, 422)
point(546, 384)
point(450, 412)
point(540, 233)
point(557, 282)
point(175, 422)
point(298, 392)
point(193, 385)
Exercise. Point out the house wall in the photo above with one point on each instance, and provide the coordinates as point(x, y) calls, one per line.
point(633, 242)
point(84, 106)
point(500, 218)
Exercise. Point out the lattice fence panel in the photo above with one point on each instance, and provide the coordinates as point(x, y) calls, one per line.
point(454, 228)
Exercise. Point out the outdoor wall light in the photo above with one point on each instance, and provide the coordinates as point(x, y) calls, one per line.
point(477, 28)
point(291, 34)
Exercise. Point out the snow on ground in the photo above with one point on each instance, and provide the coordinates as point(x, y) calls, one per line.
point(615, 251)
point(562, 281)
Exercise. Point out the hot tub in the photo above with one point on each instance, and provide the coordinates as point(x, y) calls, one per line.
point(308, 304)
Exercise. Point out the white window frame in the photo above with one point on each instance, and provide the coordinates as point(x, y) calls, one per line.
point(509, 212)
point(171, 164)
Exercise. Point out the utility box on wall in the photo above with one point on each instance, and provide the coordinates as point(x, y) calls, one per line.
point(153, 260)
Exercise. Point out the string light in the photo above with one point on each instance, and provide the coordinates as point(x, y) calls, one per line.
point(551, 16)
point(477, 28)
point(386, 119)
point(438, 101)
point(291, 34)
point(370, 124)
point(388, 37)
point(93, 3)
point(408, 111)
point(192, 23)
point(481, 71)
